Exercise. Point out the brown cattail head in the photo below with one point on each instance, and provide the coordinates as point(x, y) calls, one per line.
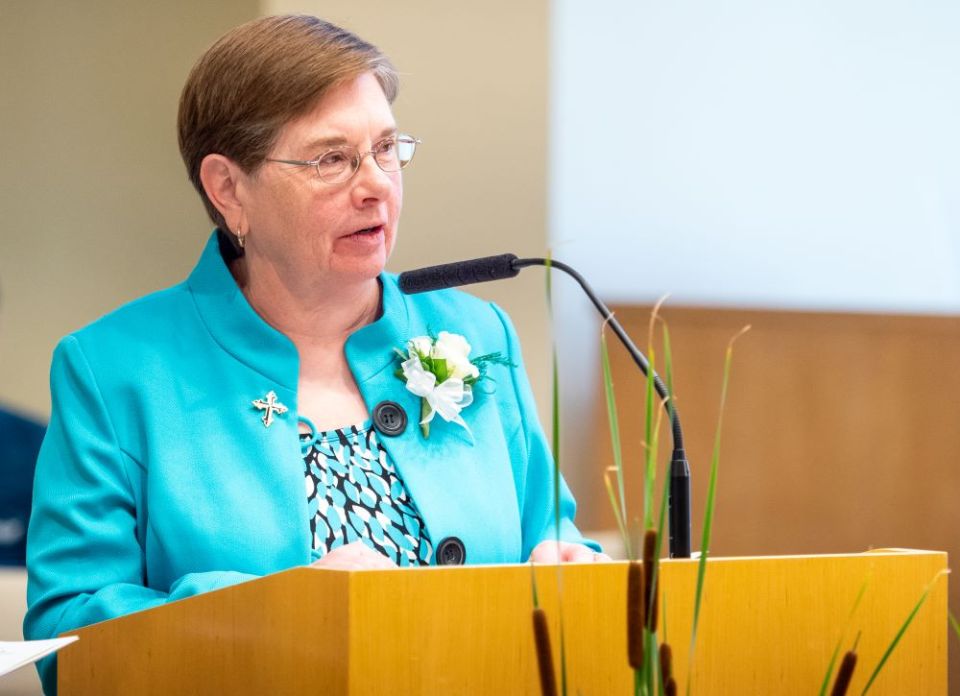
point(635, 614)
point(541, 636)
point(844, 674)
point(650, 566)
point(670, 687)
point(666, 662)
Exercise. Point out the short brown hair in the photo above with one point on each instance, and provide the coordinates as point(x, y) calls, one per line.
point(260, 76)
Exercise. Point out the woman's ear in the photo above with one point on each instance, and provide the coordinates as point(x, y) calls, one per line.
point(222, 178)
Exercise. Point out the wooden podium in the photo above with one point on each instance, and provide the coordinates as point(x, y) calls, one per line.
point(768, 626)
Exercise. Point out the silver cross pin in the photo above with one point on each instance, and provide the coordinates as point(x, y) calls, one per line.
point(271, 406)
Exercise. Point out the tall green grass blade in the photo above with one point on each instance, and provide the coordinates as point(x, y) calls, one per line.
point(650, 470)
point(954, 624)
point(711, 502)
point(533, 586)
point(903, 629)
point(833, 664)
point(655, 581)
point(836, 649)
point(644, 670)
point(668, 367)
point(555, 400)
point(662, 515)
point(621, 523)
point(652, 425)
point(661, 689)
point(555, 409)
point(615, 440)
point(563, 650)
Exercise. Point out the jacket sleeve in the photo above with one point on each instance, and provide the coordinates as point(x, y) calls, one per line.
point(85, 562)
point(535, 473)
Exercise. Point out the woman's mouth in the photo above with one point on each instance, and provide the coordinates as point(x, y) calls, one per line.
point(366, 239)
point(367, 231)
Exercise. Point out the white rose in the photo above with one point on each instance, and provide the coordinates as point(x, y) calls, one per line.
point(420, 345)
point(455, 350)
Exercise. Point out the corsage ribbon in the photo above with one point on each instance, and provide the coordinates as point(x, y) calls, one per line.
point(447, 398)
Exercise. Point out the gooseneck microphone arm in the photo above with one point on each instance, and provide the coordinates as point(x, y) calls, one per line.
point(508, 266)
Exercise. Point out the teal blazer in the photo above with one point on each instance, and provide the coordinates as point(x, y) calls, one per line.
point(157, 479)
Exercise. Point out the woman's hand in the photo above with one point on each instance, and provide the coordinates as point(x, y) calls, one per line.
point(355, 556)
point(565, 552)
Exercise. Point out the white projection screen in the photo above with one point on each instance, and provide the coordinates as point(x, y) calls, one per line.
point(797, 155)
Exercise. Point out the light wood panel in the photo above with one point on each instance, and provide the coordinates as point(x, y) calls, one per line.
point(768, 627)
point(842, 431)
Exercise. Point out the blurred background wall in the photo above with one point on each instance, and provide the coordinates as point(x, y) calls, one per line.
point(799, 160)
point(791, 155)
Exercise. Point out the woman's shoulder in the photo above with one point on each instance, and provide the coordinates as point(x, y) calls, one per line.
point(147, 321)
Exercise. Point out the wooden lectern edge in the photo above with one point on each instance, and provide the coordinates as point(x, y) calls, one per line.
point(494, 566)
point(781, 659)
point(868, 552)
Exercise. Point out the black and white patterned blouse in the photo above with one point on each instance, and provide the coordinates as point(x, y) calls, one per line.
point(354, 493)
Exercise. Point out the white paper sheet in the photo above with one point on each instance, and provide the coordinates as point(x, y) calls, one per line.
point(16, 654)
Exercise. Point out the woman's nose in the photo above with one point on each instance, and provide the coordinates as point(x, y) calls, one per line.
point(371, 181)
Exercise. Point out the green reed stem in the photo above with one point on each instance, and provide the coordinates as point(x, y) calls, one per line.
point(711, 502)
point(903, 629)
point(555, 419)
point(650, 451)
point(954, 624)
point(621, 510)
point(836, 649)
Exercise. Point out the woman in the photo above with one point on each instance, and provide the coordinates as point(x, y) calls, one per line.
point(252, 419)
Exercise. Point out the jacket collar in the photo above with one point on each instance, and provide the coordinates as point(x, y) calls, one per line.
point(240, 331)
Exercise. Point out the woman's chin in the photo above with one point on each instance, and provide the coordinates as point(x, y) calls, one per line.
point(358, 267)
point(363, 255)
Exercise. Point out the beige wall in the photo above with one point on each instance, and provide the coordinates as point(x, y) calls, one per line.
point(95, 208)
point(95, 205)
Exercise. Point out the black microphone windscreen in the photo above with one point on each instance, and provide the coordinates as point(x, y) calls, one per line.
point(451, 275)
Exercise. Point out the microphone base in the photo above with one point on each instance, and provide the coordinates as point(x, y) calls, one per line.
point(679, 506)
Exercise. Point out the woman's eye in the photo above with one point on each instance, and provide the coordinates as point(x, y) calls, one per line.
point(332, 159)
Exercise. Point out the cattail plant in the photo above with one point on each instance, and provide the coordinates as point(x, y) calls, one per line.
point(643, 605)
point(541, 635)
point(844, 674)
point(636, 613)
point(650, 562)
point(541, 640)
point(666, 662)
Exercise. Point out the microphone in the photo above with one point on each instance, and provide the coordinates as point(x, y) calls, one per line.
point(508, 266)
point(451, 275)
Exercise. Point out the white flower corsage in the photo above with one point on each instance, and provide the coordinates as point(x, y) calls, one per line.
point(440, 372)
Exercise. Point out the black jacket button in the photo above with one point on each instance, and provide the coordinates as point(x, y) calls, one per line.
point(451, 551)
point(389, 418)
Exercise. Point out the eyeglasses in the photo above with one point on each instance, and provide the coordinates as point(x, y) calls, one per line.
point(340, 164)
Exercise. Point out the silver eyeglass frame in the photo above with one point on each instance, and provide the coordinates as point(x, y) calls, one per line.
point(357, 160)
